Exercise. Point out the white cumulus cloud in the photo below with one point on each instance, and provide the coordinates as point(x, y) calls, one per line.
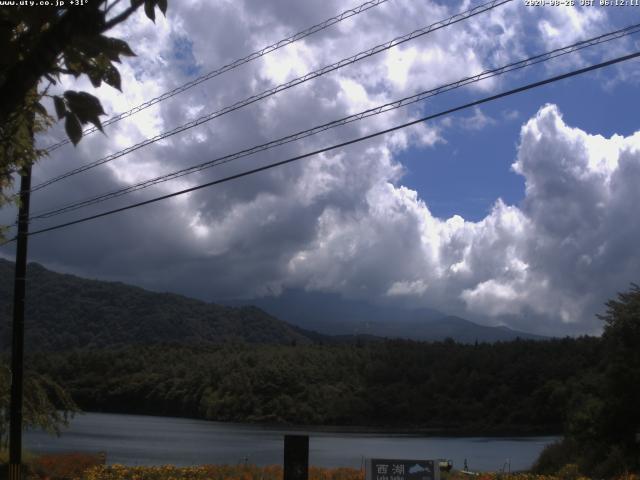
point(343, 221)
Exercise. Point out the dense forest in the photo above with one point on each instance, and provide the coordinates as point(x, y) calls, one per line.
point(521, 386)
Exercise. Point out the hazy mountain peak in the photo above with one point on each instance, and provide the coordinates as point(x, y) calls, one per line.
point(331, 314)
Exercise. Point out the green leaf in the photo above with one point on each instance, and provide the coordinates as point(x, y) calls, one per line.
point(88, 45)
point(73, 128)
point(85, 106)
point(162, 5)
point(112, 48)
point(98, 124)
point(73, 67)
point(149, 9)
point(112, 77)
point(73, 61)
point(95, 76)
point(83, 99)
point(61, 109)
point(122, 47)
point(40, 109)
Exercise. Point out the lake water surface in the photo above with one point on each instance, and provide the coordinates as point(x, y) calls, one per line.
point(144, 440)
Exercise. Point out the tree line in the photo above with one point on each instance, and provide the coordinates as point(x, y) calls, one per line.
point(514, 387)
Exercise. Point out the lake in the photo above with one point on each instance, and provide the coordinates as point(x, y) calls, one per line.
point(145, 440)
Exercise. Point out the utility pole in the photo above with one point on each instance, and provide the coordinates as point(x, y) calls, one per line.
point(17, 346)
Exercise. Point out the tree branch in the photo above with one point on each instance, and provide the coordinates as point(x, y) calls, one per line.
point(122, 16)
point(109, 7)
point(23, 76)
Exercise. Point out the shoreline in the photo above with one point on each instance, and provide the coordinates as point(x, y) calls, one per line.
point(419, 431)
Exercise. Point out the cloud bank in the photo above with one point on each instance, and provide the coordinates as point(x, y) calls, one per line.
point(343, 221)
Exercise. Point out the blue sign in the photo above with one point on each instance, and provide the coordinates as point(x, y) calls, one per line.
point(388, 469)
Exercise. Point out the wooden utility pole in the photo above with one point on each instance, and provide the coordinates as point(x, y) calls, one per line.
point(17, 346)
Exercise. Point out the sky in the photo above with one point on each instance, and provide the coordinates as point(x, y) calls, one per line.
point(519, 212)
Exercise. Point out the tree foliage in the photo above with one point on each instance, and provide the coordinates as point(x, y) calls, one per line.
point(622, 367)
point(46, 404)
point(618, 419)
point(65, 312)
point(603, 420)
point(497, 388)
point(39, 45)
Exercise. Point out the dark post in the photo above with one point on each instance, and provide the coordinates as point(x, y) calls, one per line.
point(17, 349)
point(296, 457)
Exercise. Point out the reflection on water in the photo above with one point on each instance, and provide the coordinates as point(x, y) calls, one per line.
point(143, 440)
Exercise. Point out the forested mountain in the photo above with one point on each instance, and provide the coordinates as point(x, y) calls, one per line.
point(65, 311)
point(514, 387)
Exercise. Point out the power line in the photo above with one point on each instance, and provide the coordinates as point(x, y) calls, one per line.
point(6, 242)
point(349, 142)
point(345, 120)
point(285, 86)
point(230, 66)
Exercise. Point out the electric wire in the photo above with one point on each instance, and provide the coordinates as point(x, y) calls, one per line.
point(230, 66)
point(343, 121)
point(6, 242)
point(523, 88)
point(272, 91)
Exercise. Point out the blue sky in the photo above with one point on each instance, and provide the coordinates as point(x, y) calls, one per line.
point(454, 180)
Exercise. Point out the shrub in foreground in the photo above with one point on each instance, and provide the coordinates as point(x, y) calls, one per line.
point(64, 465)
point(553, 457)
point(213, 472)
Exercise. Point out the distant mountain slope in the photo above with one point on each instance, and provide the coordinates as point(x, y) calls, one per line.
point(65, 311)
point(331, 314)
point(457, 328)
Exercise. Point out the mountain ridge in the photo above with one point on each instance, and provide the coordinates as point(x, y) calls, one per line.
point(65, 311)
point(331, 314)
